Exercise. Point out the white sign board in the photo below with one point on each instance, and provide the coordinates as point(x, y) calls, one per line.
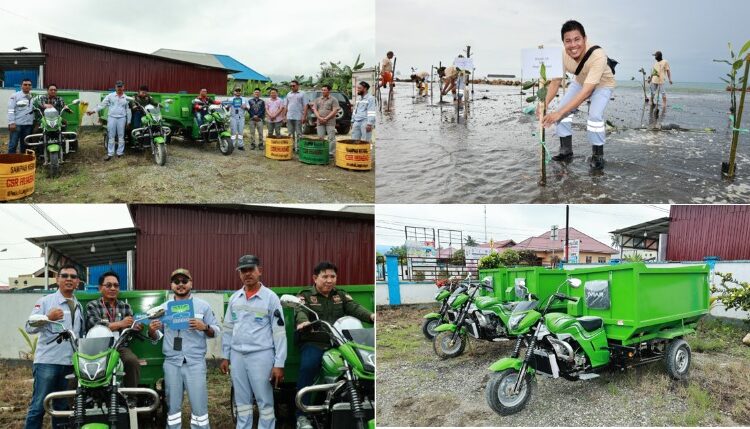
point(532, 59)
point(476, 252)
point(464, 63)
point(421, 249)
point(574, 251)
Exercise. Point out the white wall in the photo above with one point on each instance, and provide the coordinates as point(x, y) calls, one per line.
point(411, 293)
point(16, 307)
point(90, 97)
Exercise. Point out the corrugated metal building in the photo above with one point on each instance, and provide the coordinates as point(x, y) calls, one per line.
point(72, 64)
point(208, 240)
point(696, 232)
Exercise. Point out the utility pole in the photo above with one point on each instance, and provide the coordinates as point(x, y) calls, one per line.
point(567, 218)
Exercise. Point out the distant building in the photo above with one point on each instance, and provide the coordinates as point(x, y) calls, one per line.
point(498, 245)
point(242, 75)
point(550, 251)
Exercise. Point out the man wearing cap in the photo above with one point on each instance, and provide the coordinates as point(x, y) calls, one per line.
point(659, 72)
point(52, 360)
point(237, 110)
point(330, 304)
point(117, 316)
point(185, 355)
point(117, 117)
point(143, 99)
point(254, 342)
point(364, 114)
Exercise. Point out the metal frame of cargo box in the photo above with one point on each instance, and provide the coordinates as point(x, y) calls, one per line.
point(540, 281)
point(645, 302)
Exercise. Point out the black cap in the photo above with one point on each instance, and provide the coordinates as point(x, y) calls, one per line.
point(119, 83)
point(248, 261)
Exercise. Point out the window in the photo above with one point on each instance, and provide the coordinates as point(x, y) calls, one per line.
point(602, 259)
point(588, 259)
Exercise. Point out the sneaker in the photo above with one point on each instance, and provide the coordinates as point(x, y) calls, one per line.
point(241, 148)
point(303, 423)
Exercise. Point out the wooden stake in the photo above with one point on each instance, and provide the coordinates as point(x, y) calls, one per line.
point(738, 121)
point(543, 179)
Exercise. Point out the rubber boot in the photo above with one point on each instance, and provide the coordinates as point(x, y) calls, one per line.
point(597, 157)
point(566, 149)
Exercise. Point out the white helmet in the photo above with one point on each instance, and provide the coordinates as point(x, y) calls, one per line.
point(100, 331)
point(347, 322)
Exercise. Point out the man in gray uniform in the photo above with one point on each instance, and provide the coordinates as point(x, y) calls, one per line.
point(117, 116)
point(364, 114)
point(185, 355)
point(53, 361)
point(237, 109)
point(254, 341)
point(20, 119)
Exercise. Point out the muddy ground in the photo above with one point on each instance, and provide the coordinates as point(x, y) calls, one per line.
point(195, 173)
point(492, 155)
point(416, 388)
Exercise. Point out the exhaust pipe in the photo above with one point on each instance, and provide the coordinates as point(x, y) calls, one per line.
point(563, 350)
point(316, 388)
point(125, 391)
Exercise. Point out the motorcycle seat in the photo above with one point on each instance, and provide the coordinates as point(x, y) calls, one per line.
point(510, 305)
point(590, 323)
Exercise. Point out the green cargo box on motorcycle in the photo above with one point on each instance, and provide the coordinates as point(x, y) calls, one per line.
point(623, 316)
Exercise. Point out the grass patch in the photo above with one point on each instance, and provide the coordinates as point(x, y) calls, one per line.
point(714, 335)
point(399, 342)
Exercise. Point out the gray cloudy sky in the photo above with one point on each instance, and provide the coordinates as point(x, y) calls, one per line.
point(690, 33)
point(509, 221)
point(277, 38)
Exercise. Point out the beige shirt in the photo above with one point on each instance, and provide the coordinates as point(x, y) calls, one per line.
point(386, 65)
point(595, 71)
point(423, 74)
point(326, 105)
point(451, 72)
point(661, 68)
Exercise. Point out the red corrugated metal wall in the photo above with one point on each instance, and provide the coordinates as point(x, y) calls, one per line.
point(709, 230)
point(209, 240)
point(76, 66)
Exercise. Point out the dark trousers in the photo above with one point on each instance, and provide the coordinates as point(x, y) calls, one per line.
point(132, 367)
point(48, 378)
point(311, 358)
point(17, 137)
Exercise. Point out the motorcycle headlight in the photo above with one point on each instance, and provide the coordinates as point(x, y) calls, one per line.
point(515, 320)
point(52, 122)
point(368, 359)
point(92, 369)
point(156, 116)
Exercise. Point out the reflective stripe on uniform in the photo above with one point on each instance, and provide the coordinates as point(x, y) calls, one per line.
point(199, 420)
point(568, 118)
point(595, 126)
point(244, 410)
point(174, 419)
point(266, 413)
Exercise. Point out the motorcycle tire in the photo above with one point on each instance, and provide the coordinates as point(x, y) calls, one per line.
point(445, 350)
point(53, 169)
point(497, 392)
point(160, 154)
point(225, 145)
point(428, 327)
point(233, 405)
point(677, 359)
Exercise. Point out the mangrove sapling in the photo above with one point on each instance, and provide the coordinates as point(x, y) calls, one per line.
point(735, 117)
point(541, 98)
point(643, 84)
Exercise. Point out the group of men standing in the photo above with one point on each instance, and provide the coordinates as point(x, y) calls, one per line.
point(254, 342)
point(21, 115)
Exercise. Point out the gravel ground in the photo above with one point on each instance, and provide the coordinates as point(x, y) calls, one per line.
point(196, 173)
point(415, 388)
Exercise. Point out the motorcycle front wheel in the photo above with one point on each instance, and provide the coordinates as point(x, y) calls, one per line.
point(499, 392)
point(428, 327)
point(53, 169)
point(225, 145)
point(160, 154)
point(446, 346)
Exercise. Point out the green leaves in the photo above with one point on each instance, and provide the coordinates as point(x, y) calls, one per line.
point(531, 99)
point(542, 93)
point(745, 48)
point(528, 84)
point(543, 72)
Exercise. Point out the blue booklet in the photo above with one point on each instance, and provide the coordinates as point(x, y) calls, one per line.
point(179, 314)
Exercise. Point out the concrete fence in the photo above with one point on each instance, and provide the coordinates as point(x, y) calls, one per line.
point(396, 292)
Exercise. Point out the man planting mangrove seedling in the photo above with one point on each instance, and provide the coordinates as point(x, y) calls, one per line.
point(594, 80)
point(364, 114)
point(386, 70)
point(659, 72)
point(330, 304)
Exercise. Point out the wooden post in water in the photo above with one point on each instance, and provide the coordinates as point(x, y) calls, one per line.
point(543, 102)
point(440, 85)
point(432, 78)
point(738, 122)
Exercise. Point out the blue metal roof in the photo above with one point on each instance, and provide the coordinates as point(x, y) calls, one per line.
point(246, 74)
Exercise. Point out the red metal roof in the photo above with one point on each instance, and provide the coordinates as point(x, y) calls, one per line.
point(208, 240)
point(697, 231)
point(542, 243)
point(73, 64)
point(498, 244)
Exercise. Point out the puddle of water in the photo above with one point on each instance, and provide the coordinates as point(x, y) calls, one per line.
point(428, 155)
